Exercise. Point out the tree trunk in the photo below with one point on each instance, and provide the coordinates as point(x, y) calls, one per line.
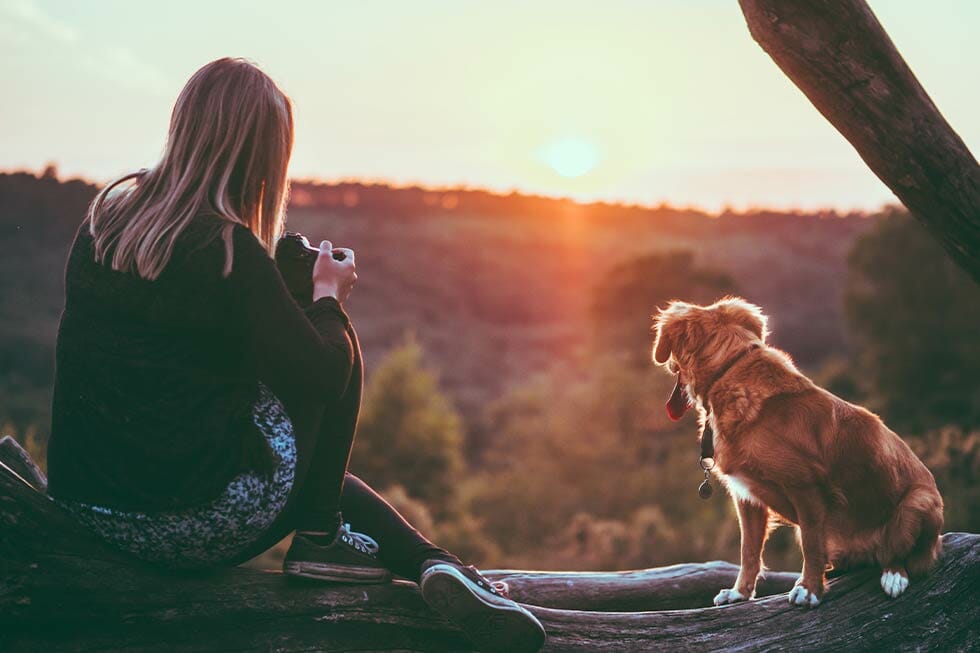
point(62, 590)
point(839, 55)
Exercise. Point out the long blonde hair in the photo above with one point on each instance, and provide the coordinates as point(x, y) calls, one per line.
point(231, 136)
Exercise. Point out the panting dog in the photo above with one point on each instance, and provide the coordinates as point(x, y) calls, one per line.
point(788, 450)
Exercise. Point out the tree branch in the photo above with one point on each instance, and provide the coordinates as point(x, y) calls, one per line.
point(839, 55)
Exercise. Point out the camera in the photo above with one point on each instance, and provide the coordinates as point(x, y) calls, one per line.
point(295, 258)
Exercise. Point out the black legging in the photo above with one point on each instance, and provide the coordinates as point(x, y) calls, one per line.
point(323, 488)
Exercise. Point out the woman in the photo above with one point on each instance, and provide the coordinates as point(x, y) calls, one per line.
point(200, 413)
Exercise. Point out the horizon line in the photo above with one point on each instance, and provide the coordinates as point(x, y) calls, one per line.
point(514, 191)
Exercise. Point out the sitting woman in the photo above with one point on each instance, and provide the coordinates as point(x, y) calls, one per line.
point(203, 410)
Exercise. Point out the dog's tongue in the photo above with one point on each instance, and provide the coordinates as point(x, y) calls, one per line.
point(678, 404)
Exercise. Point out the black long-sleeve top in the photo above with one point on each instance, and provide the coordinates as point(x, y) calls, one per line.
point(155, 380)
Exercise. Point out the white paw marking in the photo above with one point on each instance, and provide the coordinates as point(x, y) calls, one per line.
point(729, 596)
point(800, 595)
point(894, 582)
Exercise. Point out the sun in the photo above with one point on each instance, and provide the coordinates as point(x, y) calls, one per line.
point(570, 157)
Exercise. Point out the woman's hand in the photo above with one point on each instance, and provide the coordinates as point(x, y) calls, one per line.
point(333, 278)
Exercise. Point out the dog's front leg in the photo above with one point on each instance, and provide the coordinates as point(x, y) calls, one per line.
point(753, 520)
point(810, 587)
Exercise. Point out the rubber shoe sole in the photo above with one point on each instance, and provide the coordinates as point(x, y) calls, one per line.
point(337, 573)
point(495, 624)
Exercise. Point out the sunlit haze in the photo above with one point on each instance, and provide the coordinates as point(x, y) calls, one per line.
point(627, 101)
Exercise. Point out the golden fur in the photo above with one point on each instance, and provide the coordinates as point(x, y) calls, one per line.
point(791, 450)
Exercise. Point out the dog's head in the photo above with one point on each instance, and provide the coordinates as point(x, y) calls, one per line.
point(692, 340)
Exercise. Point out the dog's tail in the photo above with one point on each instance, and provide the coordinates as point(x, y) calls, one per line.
point(913, 536)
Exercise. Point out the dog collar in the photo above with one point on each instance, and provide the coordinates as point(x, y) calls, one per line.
point(727, 366)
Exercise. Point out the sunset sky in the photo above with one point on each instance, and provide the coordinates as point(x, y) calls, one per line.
point(639, 101)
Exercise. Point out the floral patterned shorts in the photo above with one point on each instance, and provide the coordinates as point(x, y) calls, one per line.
point(219, 530)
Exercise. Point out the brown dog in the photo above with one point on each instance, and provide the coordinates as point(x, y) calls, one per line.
point(787, 449)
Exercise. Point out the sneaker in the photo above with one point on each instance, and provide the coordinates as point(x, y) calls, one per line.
point(481, 609)
point(350, 558)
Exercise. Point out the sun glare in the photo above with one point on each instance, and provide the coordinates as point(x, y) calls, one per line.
point(570, 157)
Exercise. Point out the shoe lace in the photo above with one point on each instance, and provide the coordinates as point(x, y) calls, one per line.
point(360, 541)
point(498, 587)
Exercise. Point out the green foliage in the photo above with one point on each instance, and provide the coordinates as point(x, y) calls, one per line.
point(838, 376)
point(627, 295)
point(410, 444)
point(953, 455)
point(409, 434)
point(914, 317)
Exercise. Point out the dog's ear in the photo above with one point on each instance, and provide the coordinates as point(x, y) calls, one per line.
point(746, 315)
point(661, 345)
point(755, 321)
point(670, 326)
point(757, 325)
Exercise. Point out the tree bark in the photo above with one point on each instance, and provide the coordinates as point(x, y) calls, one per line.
point(839, 55)
point(62, 590)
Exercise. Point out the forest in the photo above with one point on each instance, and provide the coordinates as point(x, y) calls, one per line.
point(511, 407)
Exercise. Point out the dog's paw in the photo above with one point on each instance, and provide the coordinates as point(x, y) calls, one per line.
point(800, 595)
point(894, 581)
point(725, 597)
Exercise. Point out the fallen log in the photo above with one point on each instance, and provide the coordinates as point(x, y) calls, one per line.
point(62, 590)
point(839, 55)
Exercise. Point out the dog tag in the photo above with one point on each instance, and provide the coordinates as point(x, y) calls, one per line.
point(705, 490)
point(707, 463)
